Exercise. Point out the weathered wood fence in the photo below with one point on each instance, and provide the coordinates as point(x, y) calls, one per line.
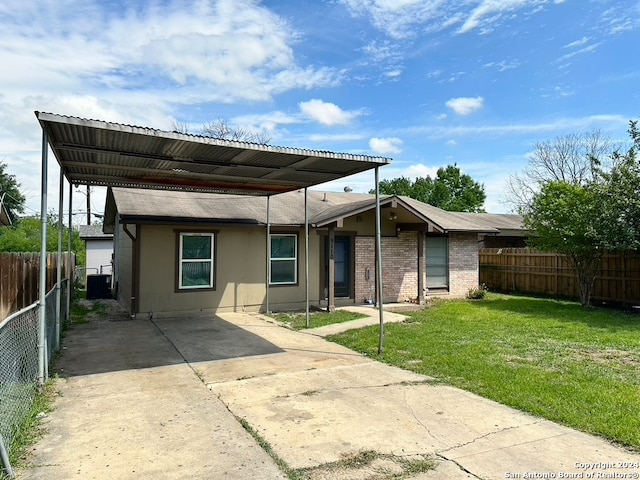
point(20, 278)
point(529, 271)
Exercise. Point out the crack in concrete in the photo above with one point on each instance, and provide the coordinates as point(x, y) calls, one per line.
point(500, 430)
point(441, 457)
point(413, 413)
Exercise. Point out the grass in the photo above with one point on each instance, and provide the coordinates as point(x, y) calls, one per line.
point(30, 431)
point(553, 359)
point(80, 311)
point(298, 321)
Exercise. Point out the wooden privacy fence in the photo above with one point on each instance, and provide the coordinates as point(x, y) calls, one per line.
point(529, 271)
point(20, 278)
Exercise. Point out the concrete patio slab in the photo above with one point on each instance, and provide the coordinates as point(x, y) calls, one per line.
point(162, 399)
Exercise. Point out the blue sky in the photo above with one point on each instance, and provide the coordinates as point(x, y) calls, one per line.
point(428, 83)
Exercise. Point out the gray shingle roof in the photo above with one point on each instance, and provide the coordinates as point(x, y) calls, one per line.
point(285, 209)
point(93, 232)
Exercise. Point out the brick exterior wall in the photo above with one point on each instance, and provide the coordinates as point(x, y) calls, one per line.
point(400, 266)
point(463, 263)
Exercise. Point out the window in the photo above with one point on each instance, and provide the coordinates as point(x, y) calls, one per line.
point(196, 262)
point(284, 259)
point(437, 262)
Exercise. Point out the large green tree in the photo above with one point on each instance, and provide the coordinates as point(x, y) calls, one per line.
point(10, 195)
point(450, 190)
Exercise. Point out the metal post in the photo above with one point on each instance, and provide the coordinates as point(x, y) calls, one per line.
point(70, 271)
point(379, 266)
point(4, 455)
point(42, 305)
point(59, 269)
point(306, 254)
point(268, 252)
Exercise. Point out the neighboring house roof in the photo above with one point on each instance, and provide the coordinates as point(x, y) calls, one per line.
point(93, 232)
point(140, 206)
point(94, 152)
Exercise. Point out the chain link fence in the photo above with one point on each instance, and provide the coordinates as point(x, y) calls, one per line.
point(19, 358)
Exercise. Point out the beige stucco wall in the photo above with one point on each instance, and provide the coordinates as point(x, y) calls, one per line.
point(240, 273)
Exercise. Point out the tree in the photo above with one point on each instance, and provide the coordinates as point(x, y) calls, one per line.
point(563, 218)
point(569, 159)
point(10, 195)
point(450, 190)
point(25, 236)
point(586, 205)
point(221, 129)
point(619, 193)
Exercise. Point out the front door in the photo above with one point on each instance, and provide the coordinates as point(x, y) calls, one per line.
point(342, 263)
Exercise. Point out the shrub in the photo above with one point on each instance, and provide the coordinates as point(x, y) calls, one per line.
point(477, 293)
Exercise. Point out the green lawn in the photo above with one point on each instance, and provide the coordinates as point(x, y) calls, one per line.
point(551, 358)
point(298, 321)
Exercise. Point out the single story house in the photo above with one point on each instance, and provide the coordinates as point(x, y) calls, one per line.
point(180, 252)
point(98, 248)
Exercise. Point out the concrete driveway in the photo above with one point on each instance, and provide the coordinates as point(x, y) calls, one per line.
point(163, 399)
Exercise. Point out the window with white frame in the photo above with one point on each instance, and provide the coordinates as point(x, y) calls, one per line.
point(196, 265)
point(284, 259)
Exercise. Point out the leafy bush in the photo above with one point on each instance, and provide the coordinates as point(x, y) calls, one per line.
point(477, 293)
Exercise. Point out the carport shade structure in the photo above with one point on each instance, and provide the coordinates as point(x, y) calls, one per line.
point(99, 153)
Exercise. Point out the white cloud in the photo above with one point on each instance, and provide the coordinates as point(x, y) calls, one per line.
point(577, 43)
point(385, 146)
point(490, 11)
point(465, 105)
point(326, 113)
point(402, 19)
point(137, 64)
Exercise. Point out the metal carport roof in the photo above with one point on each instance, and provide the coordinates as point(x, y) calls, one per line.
point(98, 153)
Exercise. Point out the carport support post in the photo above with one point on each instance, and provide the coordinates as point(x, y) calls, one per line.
point(42, 304)
point(59, 269)
point(379, 265)
point(268, 252)
point(306, 255)
point(70, 272)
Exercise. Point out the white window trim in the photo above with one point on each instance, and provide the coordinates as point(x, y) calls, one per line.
point(182, 261)
point(287, 259)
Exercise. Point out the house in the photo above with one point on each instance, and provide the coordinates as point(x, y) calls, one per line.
point(180, 252)
point(99, 250)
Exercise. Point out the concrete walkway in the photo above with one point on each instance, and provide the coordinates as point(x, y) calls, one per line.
point(167, 408)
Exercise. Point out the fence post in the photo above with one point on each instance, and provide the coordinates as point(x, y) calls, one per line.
point(42, 330)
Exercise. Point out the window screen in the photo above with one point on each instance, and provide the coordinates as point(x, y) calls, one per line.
point(196, 260)
point(437, 262)
point(284, 259)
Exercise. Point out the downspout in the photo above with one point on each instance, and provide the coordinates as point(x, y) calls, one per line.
point(42, 304)
point(379, 265)
point(59, 269)
point(134, 270)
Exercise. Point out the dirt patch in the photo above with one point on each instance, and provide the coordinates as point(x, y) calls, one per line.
point(370, 465)
point(103, 310)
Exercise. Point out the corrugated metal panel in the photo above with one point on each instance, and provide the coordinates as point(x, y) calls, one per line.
point(94, 152)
